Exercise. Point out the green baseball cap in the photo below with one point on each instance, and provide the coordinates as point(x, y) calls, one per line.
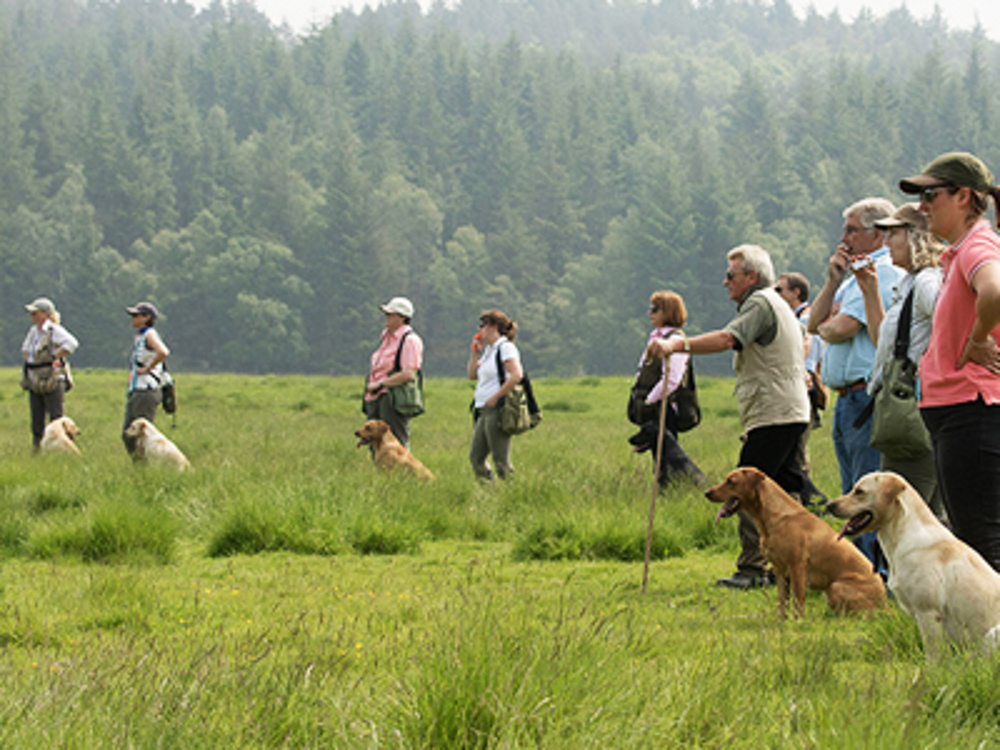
point(956, 168)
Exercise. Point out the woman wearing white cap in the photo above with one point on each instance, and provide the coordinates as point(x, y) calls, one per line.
point(45, 349)
point(146, 373)
point(389, 370)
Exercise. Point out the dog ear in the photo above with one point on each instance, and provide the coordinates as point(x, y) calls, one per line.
point(755, 478)
point(890, 487)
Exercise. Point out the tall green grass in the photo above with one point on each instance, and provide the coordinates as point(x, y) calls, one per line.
point(287, 594)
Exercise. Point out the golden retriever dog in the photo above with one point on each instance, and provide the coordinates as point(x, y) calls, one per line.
point(389, 453)
point(155, 447)
point(60, 437)
point(804, 551)
point(952, 593)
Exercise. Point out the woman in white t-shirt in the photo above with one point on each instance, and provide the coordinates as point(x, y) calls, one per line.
point(496, 336)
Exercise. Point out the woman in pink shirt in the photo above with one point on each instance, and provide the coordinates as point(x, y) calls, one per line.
point(960, 371)
point(399, 357)
point(667, 314)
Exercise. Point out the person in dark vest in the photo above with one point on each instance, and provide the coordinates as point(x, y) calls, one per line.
point(667, 314)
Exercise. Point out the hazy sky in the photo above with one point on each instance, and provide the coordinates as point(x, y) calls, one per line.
point(959, 14)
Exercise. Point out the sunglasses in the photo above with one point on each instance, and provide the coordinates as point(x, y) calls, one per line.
point(654, 308)
point(730, 275)
point(927, 195)
point(779, 289)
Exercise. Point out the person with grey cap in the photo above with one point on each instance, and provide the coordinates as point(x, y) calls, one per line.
point(146, 372)
point(45, 377)
point(917, 252)
point(960, 371)
point(399, 343)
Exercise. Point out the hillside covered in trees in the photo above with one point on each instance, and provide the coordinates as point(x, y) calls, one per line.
point(560, 160)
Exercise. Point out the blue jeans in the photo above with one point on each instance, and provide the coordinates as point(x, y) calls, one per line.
point(855, 455)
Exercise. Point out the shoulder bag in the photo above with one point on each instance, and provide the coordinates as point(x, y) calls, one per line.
point(518, 410)
point(897, 428)
point(685, 396)
point(39, 376)
point(407, 399)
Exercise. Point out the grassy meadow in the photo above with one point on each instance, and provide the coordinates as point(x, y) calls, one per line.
point(285, 594)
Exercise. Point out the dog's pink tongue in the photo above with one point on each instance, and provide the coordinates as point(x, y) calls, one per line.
point(718, 515)
point(842, 532)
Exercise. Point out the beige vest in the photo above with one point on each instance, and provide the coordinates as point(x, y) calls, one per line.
point(771, 380)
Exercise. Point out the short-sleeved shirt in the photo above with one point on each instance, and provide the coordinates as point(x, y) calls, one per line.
point(925, 285)
point(384, 358)
point(61, 339)
point(942, 384)
point(755, 322)
point(487, 377)
point(816, 343)
point(850, 361)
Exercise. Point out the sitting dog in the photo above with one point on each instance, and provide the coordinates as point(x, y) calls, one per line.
point(389, 452)
point(804, 551)
point(60, 436)
point(154, 446)
point(952, 593)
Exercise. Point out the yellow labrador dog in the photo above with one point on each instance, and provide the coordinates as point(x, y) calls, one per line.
point(155, 447)
point(60, 437)
point(944, 584)
point(389, 453)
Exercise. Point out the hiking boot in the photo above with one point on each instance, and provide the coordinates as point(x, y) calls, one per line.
point(745, 581)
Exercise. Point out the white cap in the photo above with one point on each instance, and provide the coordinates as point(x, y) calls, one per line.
point(399, 305)
point(42, 304)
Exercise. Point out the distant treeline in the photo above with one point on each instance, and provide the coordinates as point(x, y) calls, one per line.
point(559, 160)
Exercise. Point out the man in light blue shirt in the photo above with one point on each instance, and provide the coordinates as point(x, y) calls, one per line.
point(838, 316)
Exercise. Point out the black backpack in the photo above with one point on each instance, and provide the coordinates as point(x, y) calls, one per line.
point(685, 396)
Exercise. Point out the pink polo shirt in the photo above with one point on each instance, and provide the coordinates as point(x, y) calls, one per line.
point(384, 358)
point(941, 383)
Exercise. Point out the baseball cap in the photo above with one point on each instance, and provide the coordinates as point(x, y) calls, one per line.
point(957, 168)
point(399, 305)
point(42, 304)
point(143, 308)
point(907, 215)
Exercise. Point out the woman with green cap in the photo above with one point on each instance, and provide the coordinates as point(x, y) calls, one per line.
point(960, 371)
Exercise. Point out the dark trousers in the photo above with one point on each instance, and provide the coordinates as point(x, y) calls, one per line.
point(381, 408)
point(43, 404)
point(139, 404)
point(675, 462)
point(773, 450)
point(966, 440)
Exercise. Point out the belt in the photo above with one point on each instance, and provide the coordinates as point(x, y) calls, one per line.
point(857, 385)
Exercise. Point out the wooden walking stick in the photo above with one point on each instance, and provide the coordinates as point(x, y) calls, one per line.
point(656, 477)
